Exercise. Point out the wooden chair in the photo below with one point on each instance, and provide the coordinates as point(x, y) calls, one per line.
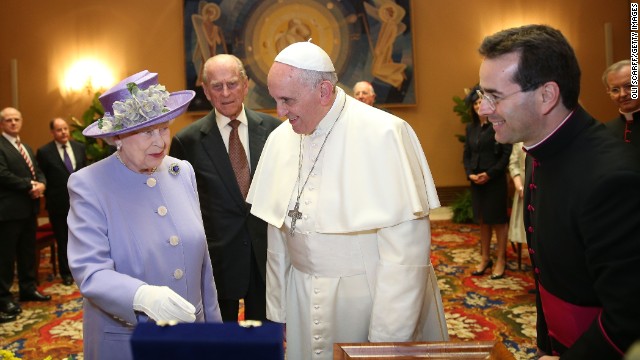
point(44, 239)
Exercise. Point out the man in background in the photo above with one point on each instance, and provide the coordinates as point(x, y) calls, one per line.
point(224, 148)
point(22, 184)
point(346, 191)
point(363, 91)
point(581, 195)
point(626, 126)
point(58, 159)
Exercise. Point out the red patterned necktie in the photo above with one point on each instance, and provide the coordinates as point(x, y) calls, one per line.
point(238, 158)
point(26, 159)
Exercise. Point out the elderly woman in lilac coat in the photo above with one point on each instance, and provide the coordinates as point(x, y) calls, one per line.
point(137, 247)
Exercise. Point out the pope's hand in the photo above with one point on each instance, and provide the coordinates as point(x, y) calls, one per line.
point(163, 304)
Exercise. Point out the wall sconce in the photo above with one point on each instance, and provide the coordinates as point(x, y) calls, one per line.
point(86, 76)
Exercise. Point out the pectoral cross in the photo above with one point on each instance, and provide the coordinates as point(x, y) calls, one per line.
point(294, 214)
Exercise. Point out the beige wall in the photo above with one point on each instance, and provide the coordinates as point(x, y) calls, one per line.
point(131, 35)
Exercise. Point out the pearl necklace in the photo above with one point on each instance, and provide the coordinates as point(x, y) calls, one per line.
point(141, 172)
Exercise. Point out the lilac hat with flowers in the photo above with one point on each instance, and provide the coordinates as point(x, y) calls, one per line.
point(135, 103)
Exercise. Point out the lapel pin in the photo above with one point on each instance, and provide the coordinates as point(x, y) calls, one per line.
point(174, 169)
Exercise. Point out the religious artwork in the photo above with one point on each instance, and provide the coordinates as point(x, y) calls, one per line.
point(209, 37)
point(366, 39)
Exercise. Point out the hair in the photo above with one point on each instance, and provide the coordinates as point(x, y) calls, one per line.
point(312, 78)
point(469, 100)
point(241, 70)
point(545, 55)
point(4, 111)
point(614, 68)
point(369, 85)
point(54, 120)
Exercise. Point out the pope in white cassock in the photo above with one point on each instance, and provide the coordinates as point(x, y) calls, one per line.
point(346, 191)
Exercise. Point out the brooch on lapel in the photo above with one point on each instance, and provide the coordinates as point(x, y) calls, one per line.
point(174, 169)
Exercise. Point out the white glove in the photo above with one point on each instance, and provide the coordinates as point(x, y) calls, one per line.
point(163, 304)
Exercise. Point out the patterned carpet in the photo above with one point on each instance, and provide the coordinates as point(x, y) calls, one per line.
point(477, 308)
point(52, 328)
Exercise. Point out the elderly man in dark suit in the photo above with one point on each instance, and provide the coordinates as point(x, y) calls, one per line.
point(22, 184)
point(58, 159)
point(224, 148)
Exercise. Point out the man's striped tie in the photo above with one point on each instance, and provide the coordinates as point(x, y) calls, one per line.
point(27, 159)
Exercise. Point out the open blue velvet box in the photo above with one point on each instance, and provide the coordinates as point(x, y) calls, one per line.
point(207, 341)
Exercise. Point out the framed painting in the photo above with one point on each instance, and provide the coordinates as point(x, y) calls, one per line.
point(366, 39)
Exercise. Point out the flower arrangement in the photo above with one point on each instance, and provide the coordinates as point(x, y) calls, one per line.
point(143, 105)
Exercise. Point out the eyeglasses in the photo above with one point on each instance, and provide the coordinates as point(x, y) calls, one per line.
point(491, 100)
point(617, 90)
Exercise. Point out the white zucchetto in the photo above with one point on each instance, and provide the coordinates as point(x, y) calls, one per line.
point(306, 55)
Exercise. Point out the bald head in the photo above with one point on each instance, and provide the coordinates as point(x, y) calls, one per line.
point(363, 91)
point(10, 121)
point(225, 84)
point(9, 111)
point(617, 81)
point(60, 130)
point(223, 60)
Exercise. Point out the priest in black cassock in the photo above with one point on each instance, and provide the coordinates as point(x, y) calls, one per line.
point(626, 126)
point(582, 195)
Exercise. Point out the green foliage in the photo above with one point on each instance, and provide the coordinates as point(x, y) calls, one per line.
point(96, 149)
point(462, 208)
point(463, 111)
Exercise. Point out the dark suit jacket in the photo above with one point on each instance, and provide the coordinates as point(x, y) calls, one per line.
point(483, 153)
point(231, 230)
point(582, 215)
point(57, 174)
point(15, 183)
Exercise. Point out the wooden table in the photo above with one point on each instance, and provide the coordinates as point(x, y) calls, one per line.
point(472, 350)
